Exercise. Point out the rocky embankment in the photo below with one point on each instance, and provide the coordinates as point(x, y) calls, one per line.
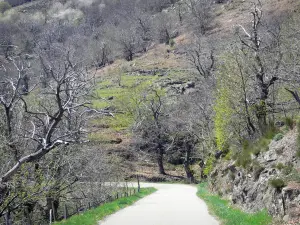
point(271, 181)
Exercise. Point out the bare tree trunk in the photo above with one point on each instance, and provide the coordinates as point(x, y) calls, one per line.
point(186, 165)
point(160, 162)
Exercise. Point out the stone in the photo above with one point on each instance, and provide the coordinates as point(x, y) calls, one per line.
point(270, 156)
point(286, 218)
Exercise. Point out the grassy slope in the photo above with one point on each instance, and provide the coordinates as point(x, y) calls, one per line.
point(229, 215)
point(92, 216)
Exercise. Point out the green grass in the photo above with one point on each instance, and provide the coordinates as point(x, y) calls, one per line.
point(92, 216)
point(229, 215)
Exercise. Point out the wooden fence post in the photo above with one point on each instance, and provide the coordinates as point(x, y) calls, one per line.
point(50, 216)
point(138, 180)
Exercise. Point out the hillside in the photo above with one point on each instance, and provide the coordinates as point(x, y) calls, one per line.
point(162, 91)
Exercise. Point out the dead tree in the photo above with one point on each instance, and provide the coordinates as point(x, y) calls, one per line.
point(253, 44)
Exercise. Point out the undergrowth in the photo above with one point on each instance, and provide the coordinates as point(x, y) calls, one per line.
point(228, 214)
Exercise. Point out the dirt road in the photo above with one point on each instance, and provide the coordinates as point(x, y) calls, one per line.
point(171, 204)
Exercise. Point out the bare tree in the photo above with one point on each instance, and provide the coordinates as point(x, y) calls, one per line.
point(152, 128)
point(265, 72)
point(54, 118)
point(200, 14)
point(201, 57)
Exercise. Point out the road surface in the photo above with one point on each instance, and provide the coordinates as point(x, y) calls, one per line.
point(171, 204)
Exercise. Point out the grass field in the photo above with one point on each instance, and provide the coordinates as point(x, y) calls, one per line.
point(229, 215)
point(92, 216)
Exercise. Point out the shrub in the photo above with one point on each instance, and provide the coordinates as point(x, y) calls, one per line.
point(298, 153)
point(271, 131)
point(298, 139)
point(280, 166)
point(289, 122)
point(4, 6)
point(278, 137)
point(171, 42)
point(277, 183)
point(209, 165)
point(288, 169)
point(244, 159)
point(257, 169)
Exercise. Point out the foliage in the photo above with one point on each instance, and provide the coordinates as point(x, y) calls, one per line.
point(4, 6)
point(298, 139)
point(277, 183)
point(298, 153)
point(288, 168)
point(280, 166)
point(278, 137)
point(229, 215)
point(171, 42)
point(209, 166)
point(93, 216)
point(222, 118)
point(289, 122)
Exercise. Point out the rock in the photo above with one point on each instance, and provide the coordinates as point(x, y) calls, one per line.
point(279, 123)
point(286, 218)
point(190, 84)
point(270, 156)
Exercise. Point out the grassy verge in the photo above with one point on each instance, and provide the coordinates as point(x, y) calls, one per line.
point(229, 215)
point(92, 216)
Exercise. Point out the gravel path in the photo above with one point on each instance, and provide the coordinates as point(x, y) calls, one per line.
point(171, 204)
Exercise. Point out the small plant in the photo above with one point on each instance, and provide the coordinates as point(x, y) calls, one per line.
point(209, 165)
point(277, 183)
point(271, 131)
point(298, 153)
point(278, 137)
point(280, 166)
point(288, 169)
point(289, 123)
point(231, 175)
point(243, 159)
point(171, 42)
point(4, 6)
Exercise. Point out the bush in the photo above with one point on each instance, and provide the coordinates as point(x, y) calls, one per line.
point(209, 165)
point(4, 6)
point(278, 137)
point(289, 122)
point(298, 154)
point(280, 166)
point(288, 169)
point(171, 42)
point(277, 183)
point(271, 131)
point(257, 169)
point(244, 159)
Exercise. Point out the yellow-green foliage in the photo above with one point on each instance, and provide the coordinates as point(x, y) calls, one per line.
point(227, 90)
point(4, 6)
point(209, 166)
point(222, 117)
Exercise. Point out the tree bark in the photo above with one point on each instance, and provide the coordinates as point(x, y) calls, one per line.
point(186, 165)
point(160, 155)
